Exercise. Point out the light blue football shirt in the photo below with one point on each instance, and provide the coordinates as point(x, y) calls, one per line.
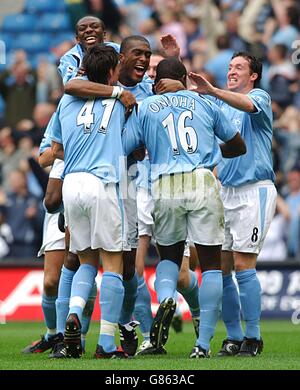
point(90, 131)
point(256, 130)
point(46, 141)
point(140, 91)
point(71, 61)
point(68, 67)
point(180, 132)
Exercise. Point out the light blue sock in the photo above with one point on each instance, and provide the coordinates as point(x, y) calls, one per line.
point(82, 285)
point(231, 310)
point(142, 309)
point(48, 306)
point(166, 279)
point(111, 300)
point(88, 312)
point(210, 299)
point(191, 294)
point(63, 298)
point(130, 294)
point(250, 297)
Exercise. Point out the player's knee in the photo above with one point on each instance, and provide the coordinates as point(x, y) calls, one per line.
point(226, 269)
point(72, 262)
point(211, 266)
point(51, 284)
point(243, 261)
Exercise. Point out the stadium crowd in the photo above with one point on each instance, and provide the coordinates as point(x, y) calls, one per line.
point(208, 33)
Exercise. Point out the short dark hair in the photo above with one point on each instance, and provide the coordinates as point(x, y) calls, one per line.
point(127, 42)
point(223, 42)
point(171, 68)
point(98, 61)
point(89, 16)
point(254, 63)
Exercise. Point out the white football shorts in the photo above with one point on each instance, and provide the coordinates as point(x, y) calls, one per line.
point(249, 210)
point(53, 238)
point(130, 207)
point(188, 205)
point(145, 207)
point(94, 213)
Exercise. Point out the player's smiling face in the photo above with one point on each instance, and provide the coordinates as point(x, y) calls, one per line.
point(89, 32)
point(239, 76)
point(135, 62)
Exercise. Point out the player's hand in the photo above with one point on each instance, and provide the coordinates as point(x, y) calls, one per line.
point(168, 85)
point(128, 100)
point(202, 85)
point(170, 46)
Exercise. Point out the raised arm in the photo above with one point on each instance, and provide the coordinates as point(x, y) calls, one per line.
point(237, 100)
point(170, 46)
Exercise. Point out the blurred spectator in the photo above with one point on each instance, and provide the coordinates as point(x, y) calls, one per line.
point(107, 11)
point(2, 109)
point(10, 156)
point(274, 247)
point(24, 215)
point(287, 134)
point(295, 88)
point(285, 27)
point(281, 74)
point(18, 89)
point(6, 237)
point(252, 20)
point(236, 42)
point(170, 25)
point(141, 14)
point(218, 65)
point(76, 10)
point(35, 129)
point(192, 28)
point(232, 5)
point(293, 201)
point(49, 84)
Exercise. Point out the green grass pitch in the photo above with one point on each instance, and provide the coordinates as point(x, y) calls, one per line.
point(281, 351)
